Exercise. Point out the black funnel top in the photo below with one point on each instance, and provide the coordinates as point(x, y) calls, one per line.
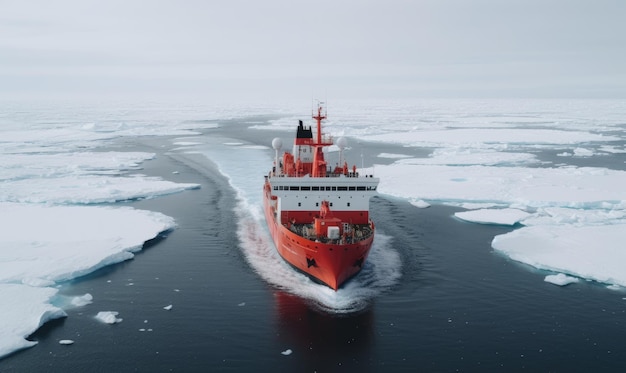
point(304, 132)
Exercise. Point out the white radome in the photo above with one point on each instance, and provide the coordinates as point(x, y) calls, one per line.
point(277, 143)
point(342, 143)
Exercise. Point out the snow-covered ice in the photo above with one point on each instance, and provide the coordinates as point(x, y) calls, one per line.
point(493, 216)
point(594, 252)
point(29, 309)
point(59, 243)
point(576, 187)
point(575, 216)
point(53, 178)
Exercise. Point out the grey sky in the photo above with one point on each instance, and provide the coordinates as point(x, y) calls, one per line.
point(288, 48)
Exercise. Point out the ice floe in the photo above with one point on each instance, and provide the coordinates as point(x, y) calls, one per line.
point(29, 309)
point(493, 216)
point(50, 169)
point(59, 243)
point(575, 217)
point(594, 252)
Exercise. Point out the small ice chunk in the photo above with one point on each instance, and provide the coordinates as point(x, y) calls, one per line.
point(168, 307)
point(420, 204)
point(108, 317)
point(560, 279)
point(82, 300)
point(242, 304)
point(66, 342)
point(582, 152)
point(287, 352)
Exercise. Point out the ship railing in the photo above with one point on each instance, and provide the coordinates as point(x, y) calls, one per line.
point(329, 173)
point(361, 232)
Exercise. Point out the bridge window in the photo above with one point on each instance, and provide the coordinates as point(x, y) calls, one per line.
point(305, 188)
point(294, 188)
point(360, 188)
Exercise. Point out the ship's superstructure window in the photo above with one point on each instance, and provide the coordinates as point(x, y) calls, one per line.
point(323, 188)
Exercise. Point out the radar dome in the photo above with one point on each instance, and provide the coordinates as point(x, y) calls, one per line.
point(342, 143)
point(277, 143)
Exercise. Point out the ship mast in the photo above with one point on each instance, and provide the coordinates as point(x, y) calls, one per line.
point(319, 164)
point(319, 117)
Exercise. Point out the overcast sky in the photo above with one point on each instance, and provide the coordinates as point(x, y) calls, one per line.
point(291, 48)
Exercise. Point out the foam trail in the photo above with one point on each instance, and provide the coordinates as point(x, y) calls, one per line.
point(245, 166)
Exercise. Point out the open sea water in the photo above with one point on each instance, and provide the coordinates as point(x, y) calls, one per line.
point(451, 302)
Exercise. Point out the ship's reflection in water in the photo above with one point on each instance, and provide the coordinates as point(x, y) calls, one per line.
point(324, 342)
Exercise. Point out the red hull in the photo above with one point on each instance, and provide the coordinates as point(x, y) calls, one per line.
point(333, 264)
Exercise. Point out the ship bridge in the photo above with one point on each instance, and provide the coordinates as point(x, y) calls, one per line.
point(348, 197)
